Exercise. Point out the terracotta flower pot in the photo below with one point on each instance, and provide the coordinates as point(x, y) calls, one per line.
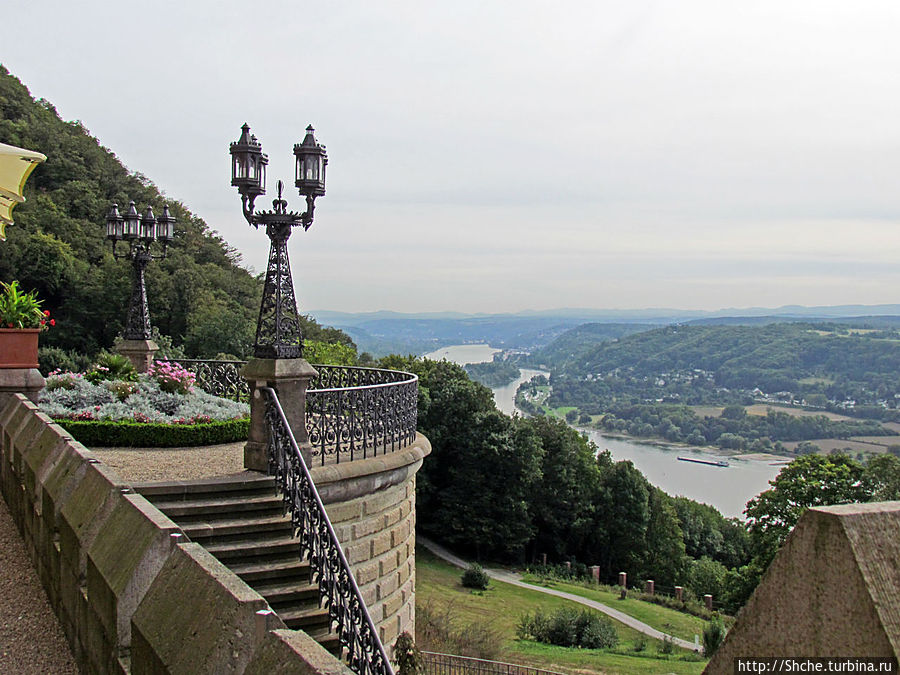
point(19, 347)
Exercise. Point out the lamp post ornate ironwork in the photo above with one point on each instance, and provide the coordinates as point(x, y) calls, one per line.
point(140, 232)
point(278, 334)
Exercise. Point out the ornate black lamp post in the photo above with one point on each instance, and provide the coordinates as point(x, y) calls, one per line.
point(278, 328)
point(140, 232)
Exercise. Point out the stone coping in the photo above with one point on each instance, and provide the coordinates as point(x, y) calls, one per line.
point(349, 480)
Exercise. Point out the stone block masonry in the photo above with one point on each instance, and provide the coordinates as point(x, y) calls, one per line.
point(372, 505)
point(131, 594)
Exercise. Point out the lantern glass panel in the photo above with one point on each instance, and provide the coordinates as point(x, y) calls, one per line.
point(164, 229)
point(148, 226)
point(132, 223)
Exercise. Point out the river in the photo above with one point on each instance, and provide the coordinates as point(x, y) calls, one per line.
point(727, 488)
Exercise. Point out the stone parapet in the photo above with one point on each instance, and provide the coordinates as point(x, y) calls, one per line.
point(130, 594)
point(372, 506)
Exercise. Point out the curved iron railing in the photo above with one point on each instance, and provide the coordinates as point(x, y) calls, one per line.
point(319, 543)
point(354, 413)
point(351, 412)
point(219, 378)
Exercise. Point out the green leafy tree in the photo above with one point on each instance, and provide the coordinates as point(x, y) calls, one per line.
point(625, 500)
point(883, 475)
point(334, 353)
point(811, 480)
point(707, 576)
point(665, 558)
point(565, 501)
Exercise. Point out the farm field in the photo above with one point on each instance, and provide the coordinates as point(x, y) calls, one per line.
point(764, 408)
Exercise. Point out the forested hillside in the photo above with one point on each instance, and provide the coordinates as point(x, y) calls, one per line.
point(574, 344)
point(818, 363)
point(200, 295)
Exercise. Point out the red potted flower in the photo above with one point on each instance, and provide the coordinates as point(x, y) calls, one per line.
point(21, 320)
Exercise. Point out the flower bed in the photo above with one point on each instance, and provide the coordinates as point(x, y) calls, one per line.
point(160, 409)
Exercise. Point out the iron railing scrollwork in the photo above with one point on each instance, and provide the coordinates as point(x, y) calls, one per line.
point(319, 543)
point(219, 378)
point(355, 413)
point(450, 664)
point(351, 412)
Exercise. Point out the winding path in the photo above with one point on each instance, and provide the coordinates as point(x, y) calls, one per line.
point(516, 580)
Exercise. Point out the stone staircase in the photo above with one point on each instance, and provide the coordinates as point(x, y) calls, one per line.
point(239, 520)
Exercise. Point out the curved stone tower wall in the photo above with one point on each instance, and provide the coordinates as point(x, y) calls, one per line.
point(372, 506)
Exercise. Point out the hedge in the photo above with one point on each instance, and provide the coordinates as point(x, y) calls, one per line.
point(126, 433)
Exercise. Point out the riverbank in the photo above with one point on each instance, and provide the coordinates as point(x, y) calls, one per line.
point(698, 449)
point(725, 488)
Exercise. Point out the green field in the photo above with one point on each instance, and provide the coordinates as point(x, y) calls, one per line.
point(499, 609)
point(673, 622)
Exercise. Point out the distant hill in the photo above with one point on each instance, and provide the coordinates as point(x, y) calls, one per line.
point(385, 332)
point(856, 364)
point(574, 344)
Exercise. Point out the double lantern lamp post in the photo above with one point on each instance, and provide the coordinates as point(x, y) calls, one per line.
point(140, 232)
point(278, 333)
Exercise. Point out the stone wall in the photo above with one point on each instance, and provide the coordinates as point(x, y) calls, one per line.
point(372, 505)
point(130, 593)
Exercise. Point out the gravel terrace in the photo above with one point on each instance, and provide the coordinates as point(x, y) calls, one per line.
point(31, 639)
point(139, 465)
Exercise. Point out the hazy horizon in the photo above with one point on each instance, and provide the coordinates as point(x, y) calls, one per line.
point(496, 157)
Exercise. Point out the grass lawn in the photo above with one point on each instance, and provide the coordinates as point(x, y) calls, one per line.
point(502, 605)
point(673, 622)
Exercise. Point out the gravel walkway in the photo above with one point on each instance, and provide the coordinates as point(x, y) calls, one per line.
point(31, 639)
point(140, 465)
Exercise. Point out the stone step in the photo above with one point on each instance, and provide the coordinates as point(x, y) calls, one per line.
point(327, 639)
point(240, 520)
point(306, 617)
point(196, 509)
point(285, 569)
point(220, 485)
point(254, 548)
point(279, 593)
point(227, 529)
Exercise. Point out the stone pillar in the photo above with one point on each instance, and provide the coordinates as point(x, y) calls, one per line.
point(27, 381)
point(649, 587)
point(139, 352)
point(289, 378)
point(707, 600)
point(544, 558)
point(679, 593)
point(595, 573)
point(623, 579)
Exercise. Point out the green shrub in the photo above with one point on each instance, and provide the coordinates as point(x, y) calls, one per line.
point(111, 367)
point(122, 389)
point(569, 627)
point(713, 634)
point(666, 646)
point(475, 577)
point(125, 433)
point(407, 656)
point(52, 359)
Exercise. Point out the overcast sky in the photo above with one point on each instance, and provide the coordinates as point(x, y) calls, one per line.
point(499, 156)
